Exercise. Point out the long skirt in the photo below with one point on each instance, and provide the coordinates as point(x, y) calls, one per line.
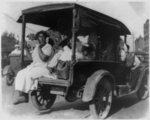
point(25, 78)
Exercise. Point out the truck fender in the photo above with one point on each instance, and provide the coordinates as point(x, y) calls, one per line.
point(92, 81)
point(7, 69)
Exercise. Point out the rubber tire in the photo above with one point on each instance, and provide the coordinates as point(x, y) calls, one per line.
point(143, 91)
point(93, 105)
point(37, 104)
point(9, 79)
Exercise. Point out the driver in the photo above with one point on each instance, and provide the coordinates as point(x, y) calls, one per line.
point(25, 78)
point(128, 58)
point(131, 62)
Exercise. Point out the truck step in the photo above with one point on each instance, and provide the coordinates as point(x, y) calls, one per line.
point(57, 92)
point(122, 90)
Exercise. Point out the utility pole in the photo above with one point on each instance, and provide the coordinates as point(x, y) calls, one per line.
point(133, 43)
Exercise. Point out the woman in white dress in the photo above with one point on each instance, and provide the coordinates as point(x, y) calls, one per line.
point(25, 78)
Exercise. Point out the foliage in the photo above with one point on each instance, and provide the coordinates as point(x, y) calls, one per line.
point(31, 36)
point(8, 41)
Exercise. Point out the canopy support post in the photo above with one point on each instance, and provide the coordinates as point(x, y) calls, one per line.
point(23, 40)
point(125, 39)
point(73, 35)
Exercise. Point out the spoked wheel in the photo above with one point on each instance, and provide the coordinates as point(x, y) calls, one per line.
point(41, 98)
point(143, 91)
point(101, 105)
point(9, 79)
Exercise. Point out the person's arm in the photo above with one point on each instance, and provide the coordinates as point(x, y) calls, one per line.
point(28, 52)
point(53, 62)
point(136, 63)
point(42, 55)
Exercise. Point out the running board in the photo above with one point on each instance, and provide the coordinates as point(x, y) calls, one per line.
point(58, 90)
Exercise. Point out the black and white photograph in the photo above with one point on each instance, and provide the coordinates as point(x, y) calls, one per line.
point(74, 59)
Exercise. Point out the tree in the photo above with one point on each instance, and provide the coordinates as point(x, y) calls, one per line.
point(8, 41)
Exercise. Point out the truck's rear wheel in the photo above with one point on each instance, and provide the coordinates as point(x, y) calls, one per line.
point(101, 104)
point(42, 99)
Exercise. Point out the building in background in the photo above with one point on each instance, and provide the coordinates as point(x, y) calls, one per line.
point(139, 44)
point(142, 43)
point(146, 35)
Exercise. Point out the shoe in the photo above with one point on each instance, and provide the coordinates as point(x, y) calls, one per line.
point(22, 98)
point(43, 108)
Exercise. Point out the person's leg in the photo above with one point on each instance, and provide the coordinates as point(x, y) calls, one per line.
point(25, 79)
point(19, 87)
point(20, 80)
point(33, 75)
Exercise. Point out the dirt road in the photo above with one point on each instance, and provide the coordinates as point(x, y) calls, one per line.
point(124, 108)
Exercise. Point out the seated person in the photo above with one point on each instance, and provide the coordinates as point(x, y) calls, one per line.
point(56, 37)
point(131, 62)
point(86, 49)
point(64, 53)
point(25, 78)
point(58, 65)
point(88, 52)
point(65, 48)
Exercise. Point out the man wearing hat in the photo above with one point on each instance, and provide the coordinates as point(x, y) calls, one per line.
point(131, 62)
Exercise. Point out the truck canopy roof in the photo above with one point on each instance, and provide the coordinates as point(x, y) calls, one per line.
point(59, 16)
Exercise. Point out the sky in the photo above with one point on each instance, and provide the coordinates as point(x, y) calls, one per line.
point(132, 13)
